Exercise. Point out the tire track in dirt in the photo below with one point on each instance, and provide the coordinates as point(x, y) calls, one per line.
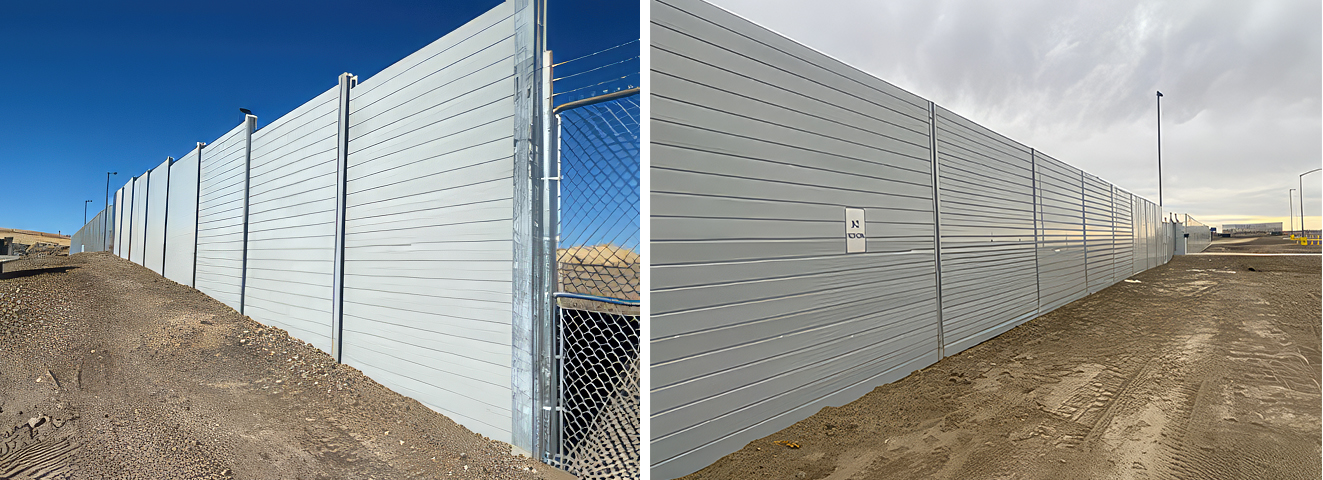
point(36, 450)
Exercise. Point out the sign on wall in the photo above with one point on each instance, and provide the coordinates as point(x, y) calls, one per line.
point(855, 241)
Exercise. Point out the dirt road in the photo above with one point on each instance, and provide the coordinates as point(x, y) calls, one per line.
point(1209, 368)
point(108, 370)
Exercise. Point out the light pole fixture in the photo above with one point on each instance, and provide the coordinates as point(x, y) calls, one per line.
point(1301, 180)
point(1290, 202)
point(105, 219)
point(85, 202)
point(1159, 149)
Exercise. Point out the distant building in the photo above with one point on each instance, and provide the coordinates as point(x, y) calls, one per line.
point(1266, 228)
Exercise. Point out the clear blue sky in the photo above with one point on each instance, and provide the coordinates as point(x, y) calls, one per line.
point(90, 87)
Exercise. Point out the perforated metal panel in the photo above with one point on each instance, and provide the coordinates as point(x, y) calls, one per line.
point(429, 227)
point(291, 221)
point(153, 256)
point(181, 228)
point(221, 217)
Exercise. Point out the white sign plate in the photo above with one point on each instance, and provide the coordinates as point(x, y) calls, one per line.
point(855, 240)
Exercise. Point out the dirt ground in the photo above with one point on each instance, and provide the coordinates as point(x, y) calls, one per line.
point(108, 370)
point(1264, 244)
point(1207, 368)
point(29, 237)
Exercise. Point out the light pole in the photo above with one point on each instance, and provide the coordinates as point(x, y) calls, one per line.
point(1290, 202)
point(105, 219)
point(1159, 149)
point(85, 202)
point(1301, 179)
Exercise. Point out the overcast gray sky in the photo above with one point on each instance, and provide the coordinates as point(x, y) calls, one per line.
point(1241, 85)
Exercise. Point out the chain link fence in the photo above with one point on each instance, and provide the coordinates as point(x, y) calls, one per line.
point(597, 268)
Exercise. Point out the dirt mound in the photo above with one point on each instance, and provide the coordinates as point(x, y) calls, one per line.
point(110, 371)
point(600, 270)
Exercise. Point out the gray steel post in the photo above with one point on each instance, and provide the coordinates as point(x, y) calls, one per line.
point(250, 124)
point(197, 213)
point(1084, 230)
point(105, 227)
point(165, 229)
point(1159, 149)
point(937, 225)
point(347, 82)
point(1290, 205)
point(545, 435)
point(526, 277)
point(1301, 180)
point(1033, 183)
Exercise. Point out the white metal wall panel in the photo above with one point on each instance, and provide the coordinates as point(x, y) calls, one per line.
point(759, 316)
point(291, 221)
point(986, 185)
point(181, 229)
point(117, 228)
point(90, 237)
point(1098, 232)
point(1061, 260)
point(1199, 235)
point(138, 230)
point(221, 217)
point(157, 191)
point(1125, 247)
point(429, 225)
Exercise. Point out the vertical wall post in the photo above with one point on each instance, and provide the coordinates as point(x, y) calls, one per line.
point(547, 415)
point(347, 81)
point(197, 214)
point(1038, 241)
point(165, 229)
point(250, 124)
point(129, 254)
point(1084, 229)
point(937, 225)
point(527, 223)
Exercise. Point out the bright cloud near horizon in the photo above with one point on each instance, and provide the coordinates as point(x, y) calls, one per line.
point(1241, 85)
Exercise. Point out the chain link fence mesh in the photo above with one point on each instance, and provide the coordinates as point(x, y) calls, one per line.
point(600, 394)
point(597, 294)
point(599, 200)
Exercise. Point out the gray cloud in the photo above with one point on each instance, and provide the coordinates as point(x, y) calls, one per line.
point(1241, 111)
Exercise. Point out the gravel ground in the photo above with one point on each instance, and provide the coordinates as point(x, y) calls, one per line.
point(1207, 368)
point(108, 370)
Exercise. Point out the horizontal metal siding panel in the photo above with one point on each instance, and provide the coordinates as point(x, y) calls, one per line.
point(220, 218)
point(989, 279)
point(429, 225)
point(759, 317)
point(181, 230)
point(1125, 248)
point(1098, 216)
point(157, 188)
point(126, 222)
point(118, 227)
point(291, 221)
point(138, 233)
point(1061, 248)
